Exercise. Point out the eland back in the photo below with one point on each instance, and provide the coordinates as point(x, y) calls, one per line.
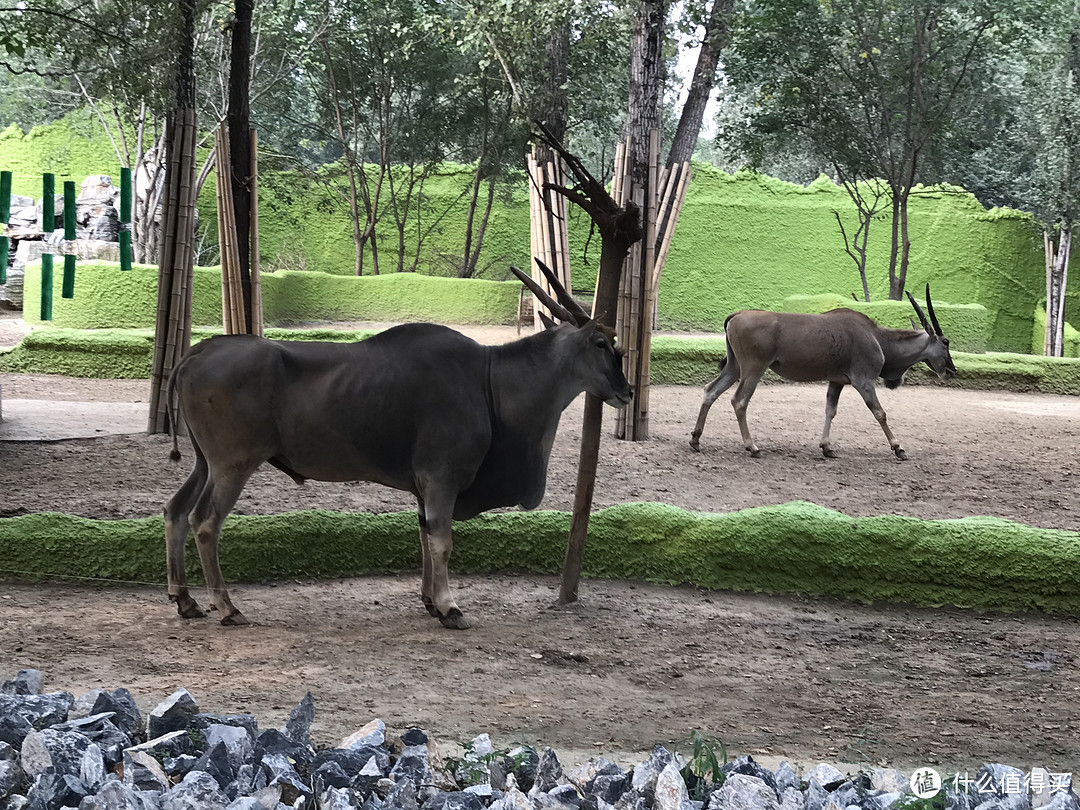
point(421, 408)
point(841, 346)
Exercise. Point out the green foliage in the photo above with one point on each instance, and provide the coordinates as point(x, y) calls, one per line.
point(703, 768)
point(794, 548)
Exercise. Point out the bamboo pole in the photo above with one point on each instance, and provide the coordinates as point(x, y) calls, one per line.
point(1048, 256)
point(534, 229)
point(156, 421)
point(48, 224)
point(256, 280)
point(669, 231)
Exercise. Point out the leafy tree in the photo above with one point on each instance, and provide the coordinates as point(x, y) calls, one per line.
point(871, 84)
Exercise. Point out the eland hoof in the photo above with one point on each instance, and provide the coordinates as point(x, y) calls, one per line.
point(455, 620)
point(828, 452)
point(695, 446)
point(755, 453)
point(235, 619)
point(188, 608)
point(900, 454)
point(430, 606)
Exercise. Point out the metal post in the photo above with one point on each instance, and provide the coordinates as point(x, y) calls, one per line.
point(125, 219)
point(69, 239)
point(48, 225)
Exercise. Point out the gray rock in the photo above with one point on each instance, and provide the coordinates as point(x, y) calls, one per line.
point(512, 799)
point(746, 766)
point(329, 774)
point(1063, 801)
point(115, 795)
point(172, 714)
point(25, 682)
point(412, 766)
point(521, 762)
point(743, 792)
point(816, 795)
point(100, 729)
point(177, 767)
point(65, 752)
point(549, 773)
point(11, 776)
point(198, 791)
point(279, 771)
point(670, 790)
point(565, 794)
point(238, 742)
point(215, 761)
point(457, 800)
point(143, 772)
point(373, 734)
point(266, 799)
point(884, 800)
point(53, 791)
point(647, 772)
point(786, 777)
point(29, 712)
point(792, 799)
point(119, 702)
point(298, 727)
point(336, 799)
point(273, 741)
point(889, 779)
point(16, 802)
point(403, 795)
point(825, 775)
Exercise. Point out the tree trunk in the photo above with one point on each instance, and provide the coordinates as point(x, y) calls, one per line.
point(1057, 276)
point(239, 119)
point(643, 119)
point(894, 247)
point(701, 85)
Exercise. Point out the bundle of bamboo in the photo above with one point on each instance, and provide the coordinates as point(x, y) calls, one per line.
point(660, 200)
point(549, 239)
point(177, 260)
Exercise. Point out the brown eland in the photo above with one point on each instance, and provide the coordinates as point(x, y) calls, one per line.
point(841, 346)
point(420, 407)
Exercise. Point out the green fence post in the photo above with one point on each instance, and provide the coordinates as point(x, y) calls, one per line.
point(5, 216)
point(125, 219)
point(69, 239)
point(48, 225)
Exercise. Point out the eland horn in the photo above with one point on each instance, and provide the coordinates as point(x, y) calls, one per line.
point(919, 312)
point(557, 309)
point(930, 309)
point(565, 298)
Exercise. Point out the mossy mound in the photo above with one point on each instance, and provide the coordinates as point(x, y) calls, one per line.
point(794, 548)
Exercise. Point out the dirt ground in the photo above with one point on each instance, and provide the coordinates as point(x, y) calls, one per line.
point(633, 664)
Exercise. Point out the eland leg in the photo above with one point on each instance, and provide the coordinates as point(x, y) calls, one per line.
point(426, 586)
point(831, 399)
point(438, 516)
point(869, 395)
point(216, 501)
point(739, 402)
point(729, 375)
point(177, 528)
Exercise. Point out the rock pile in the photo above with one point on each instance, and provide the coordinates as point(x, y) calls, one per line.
point(98, 752)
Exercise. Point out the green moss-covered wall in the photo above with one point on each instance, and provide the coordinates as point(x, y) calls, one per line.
point(965, 325)
point(107, 297)
point(743, 241)
point(749, 242)
point(1038, 337)
point(794, 548)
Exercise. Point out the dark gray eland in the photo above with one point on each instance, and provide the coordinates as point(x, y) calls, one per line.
point(419, 407)
point(842, 346)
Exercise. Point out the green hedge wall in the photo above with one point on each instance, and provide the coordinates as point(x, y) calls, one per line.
point(965, 324)
point(1038, 336)
point(793, 548)
point(107, 297)
point(127, 354)
point(743, 241)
